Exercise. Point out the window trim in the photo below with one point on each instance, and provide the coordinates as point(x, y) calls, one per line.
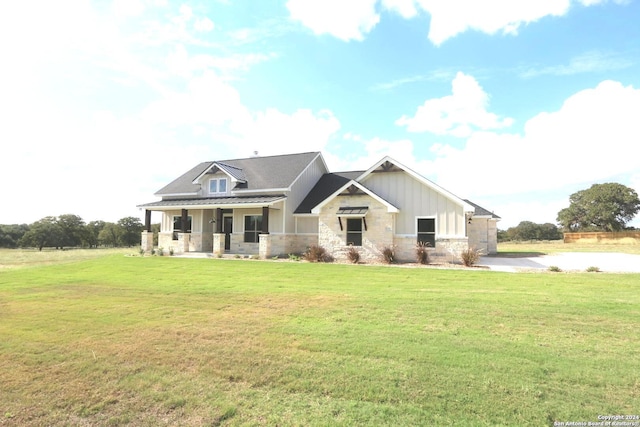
point(257, 232)
point(434, 233)
point(218, 181)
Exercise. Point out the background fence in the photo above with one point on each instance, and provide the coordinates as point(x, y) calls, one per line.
point(604, 237)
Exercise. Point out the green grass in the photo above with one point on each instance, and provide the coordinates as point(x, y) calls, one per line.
point(537, 248)
point(164, 341)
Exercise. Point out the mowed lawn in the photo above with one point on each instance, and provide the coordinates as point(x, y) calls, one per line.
point(121, 340)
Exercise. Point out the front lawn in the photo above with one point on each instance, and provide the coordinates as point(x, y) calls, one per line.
point(165, 341)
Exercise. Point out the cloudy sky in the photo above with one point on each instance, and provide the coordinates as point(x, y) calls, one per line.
point(514, 104)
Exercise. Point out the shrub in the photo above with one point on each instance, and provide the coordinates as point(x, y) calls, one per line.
point(389, 254)
point(353, 254)
point(171, 252)
point(593, 269)
point(153, 251)
point(141, 251)
point(160, 251)
point(316, 253)
point(294, 257)
point(554, 269)
point(469, 257)
point(422, 254)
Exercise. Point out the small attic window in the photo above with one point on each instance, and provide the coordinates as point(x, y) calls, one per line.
point(218, 186)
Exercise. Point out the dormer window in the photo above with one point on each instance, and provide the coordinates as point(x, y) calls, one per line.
point(218, 186)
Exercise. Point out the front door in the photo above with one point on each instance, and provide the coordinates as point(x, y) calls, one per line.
point(227, 229)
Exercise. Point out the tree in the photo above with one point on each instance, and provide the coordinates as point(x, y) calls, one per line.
point(109, 235)
point(42, 233)
point(528, 230)
point(91, 236)
point(72, 230)
point(602, 207)
point(131, 227)
point(11, 234)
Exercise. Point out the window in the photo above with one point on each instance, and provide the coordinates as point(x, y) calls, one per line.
point(354, 231)
point(218, 186)
point(427, 231)
point(252, 228)
point(177, 226)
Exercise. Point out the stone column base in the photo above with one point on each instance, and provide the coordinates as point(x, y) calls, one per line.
point(183, 242)
point(264, 249)
point(147, 241)
point(218, 243)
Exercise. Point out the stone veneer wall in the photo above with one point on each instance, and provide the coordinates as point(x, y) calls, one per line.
point(446, 250)
point(379, 232)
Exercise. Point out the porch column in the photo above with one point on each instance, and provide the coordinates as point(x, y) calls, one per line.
point(218, 244)
point(219, 220)
point(184, 220)
point(264, 247)
point(147, 220)
point(265, 220)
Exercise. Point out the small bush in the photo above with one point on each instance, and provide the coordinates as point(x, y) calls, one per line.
point(171, 252)
point(422, 254)
point(316, 253)
point(593, 269)
point(554, 269)
point(469, 257)
point(389, 254)
point(294, 257)
point(142, 251)
point(160, 251)
point(153, 251)
point(353, 254)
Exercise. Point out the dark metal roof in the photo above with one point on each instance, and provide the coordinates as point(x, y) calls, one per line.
point(233, 171)
point(328, 184)
point(260, 173)
point(215, 201)
point(352, 211)
point(480, 211)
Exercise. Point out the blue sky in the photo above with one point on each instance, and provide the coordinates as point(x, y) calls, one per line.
point(512, 104)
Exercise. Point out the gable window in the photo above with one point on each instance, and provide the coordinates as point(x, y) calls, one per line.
point(252, 228)
point(177, 225)
point(427, 231)
point(354, 231)
point(218, 186)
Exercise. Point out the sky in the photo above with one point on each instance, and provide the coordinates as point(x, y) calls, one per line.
point(513, 104)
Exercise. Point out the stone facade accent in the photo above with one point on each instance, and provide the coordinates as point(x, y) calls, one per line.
point(147, 241)
point(218, 243)
point(165, 240)
point(378, 233)
point(483, 234)
point(183, 243)
point(447, 249)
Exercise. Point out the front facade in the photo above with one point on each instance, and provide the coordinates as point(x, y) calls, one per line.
point(269, 206)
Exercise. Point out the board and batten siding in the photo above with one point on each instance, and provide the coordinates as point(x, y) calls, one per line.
point(301, 188)
point(415, 199)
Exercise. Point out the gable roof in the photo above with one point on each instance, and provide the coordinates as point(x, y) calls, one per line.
point(350, 183)
point(328, 184)
point(258, 173)
point(480, 211)
point(389, 164)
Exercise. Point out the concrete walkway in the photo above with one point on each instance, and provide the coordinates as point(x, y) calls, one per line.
point(566, 261)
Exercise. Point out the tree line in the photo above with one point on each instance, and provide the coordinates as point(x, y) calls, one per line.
point(66, 231)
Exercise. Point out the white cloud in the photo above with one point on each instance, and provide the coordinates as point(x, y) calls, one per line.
point(591, 138)
point(405, 8)
point(458, 114)
point(588, 62)
point(203, 25)
point(346, 20)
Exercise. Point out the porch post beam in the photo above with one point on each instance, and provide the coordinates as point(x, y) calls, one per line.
point(147, 220)
point(265, 220)
point(185, 219)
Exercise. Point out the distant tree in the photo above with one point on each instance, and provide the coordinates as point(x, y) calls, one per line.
point(10, 234)
point(42, 233)
point(131, 227)
point(109, 235)
point(528, 230)
point(92, 233)
point(72, 230)
point(602, 207)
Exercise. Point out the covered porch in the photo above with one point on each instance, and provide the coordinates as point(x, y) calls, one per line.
point(220, 226)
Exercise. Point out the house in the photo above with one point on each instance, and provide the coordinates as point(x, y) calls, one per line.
point(278, 205)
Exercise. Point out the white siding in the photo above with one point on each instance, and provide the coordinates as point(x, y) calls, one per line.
point(301, 188)
point(415, 199)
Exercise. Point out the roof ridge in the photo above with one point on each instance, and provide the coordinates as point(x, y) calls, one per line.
point(264, 157)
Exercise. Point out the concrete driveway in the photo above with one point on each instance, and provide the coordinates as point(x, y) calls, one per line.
point(567, 261)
